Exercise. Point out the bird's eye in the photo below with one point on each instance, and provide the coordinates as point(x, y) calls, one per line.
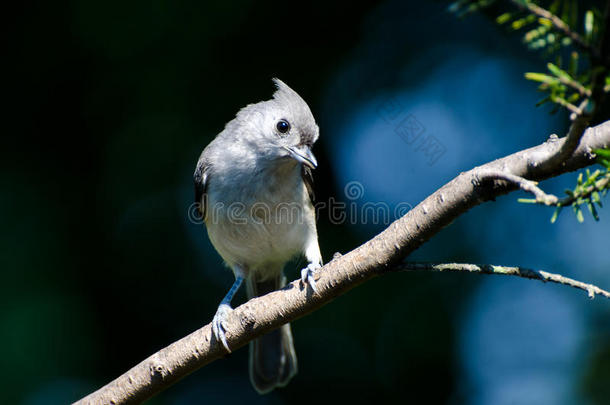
point(283, 126)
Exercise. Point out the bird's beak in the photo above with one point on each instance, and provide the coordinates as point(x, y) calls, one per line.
point(303, 155)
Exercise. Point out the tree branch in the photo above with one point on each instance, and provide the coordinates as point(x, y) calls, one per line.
point(377, 256)
point(543, 276)
point(523, 184)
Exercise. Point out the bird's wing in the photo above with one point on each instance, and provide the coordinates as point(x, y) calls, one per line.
point(200, 178)
point(307, 176)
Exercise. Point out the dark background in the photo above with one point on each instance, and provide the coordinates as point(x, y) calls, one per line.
point(107, 108)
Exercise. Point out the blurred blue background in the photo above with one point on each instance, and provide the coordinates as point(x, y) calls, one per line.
point(109, 106)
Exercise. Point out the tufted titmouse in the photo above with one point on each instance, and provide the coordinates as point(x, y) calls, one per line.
point(253, 184)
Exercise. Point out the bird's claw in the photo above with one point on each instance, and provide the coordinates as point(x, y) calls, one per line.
point(218, 327)
point(307, 275)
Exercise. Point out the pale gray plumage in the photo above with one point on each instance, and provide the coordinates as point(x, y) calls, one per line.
point(253, 183)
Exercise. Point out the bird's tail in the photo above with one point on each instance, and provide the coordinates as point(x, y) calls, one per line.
point(273, 361)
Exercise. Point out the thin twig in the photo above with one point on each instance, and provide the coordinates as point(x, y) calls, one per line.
point(581, 108)
point(569, 106)
point(524, 184)
point(580, 122)
point(591, 289)
point(568, 81)
point(540, 196)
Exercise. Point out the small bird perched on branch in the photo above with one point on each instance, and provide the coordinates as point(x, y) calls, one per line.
point(253, 186)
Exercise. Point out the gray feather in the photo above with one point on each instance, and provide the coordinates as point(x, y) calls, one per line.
point(249, 165)
point(273, 360)
point(200, 180)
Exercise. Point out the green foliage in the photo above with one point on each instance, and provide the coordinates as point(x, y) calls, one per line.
point(540, 33)
point(565, 88)
point(550, 30)
point(603, 157)
point(587, 193)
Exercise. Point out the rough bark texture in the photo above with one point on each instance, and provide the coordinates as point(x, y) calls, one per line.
point(380, 255)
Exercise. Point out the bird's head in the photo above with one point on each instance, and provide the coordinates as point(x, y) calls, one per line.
point(281, 129)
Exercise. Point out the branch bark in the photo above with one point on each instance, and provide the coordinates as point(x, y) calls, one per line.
point(382, 254)
point(592, 290)
point(524, 184)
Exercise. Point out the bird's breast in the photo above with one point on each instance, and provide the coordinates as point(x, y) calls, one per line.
point(261, 221)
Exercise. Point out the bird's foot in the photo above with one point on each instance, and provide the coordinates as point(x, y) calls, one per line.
point(307, 275)
point(218, 327)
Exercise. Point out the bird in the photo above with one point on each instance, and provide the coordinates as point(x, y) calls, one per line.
point(254, 191)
